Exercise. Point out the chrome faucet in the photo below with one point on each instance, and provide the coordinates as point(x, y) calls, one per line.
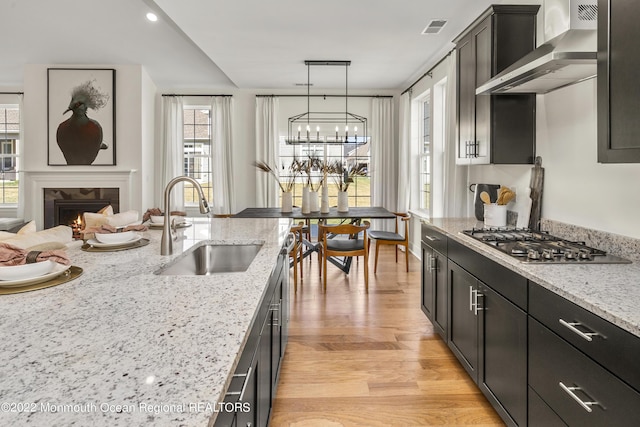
point(166, 244)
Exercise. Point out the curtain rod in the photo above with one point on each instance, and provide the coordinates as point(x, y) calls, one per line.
point(326, 96)
point(428, 73)
point(189, 94)
point(11, 93)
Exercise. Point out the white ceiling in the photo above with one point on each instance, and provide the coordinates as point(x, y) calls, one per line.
point(251, 44)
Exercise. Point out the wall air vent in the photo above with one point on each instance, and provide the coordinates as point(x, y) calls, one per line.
point(435, 26)
point(588, 12)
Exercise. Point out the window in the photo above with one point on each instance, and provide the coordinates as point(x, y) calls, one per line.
point(425, 152)
point(196, 148)
point(9, 154)
point(352, 155)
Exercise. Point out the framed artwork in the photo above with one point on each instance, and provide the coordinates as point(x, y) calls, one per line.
point(81, 116)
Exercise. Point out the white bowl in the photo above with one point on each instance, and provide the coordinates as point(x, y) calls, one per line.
point(26, 271)
point(159, 219)
point(122, 237)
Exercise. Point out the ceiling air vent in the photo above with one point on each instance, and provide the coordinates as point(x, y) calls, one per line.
point(434, 26)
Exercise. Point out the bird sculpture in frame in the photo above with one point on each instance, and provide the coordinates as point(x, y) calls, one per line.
point(80, 137)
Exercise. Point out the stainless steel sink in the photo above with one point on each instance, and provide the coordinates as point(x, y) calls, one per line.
point(210, 259)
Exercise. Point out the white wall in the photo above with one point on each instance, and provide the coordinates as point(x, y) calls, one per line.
point(577, 189)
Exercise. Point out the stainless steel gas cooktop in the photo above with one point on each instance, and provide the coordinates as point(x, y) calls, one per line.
point(541, 247)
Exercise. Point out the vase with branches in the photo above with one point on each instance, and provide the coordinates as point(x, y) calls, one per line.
point(286, 184)
point(343, 176)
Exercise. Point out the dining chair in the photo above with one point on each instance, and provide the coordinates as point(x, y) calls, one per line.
point(296, 253)
point(392, 238)
point(343, 240)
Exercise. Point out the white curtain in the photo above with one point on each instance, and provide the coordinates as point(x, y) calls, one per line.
point(267, 150)
point(171, 149)
point(221, 155)
point(21, 182)
point(455, 176)
point(384, 155)
point(404, 153)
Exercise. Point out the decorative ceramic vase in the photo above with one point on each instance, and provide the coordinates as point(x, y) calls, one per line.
point(343, 201)
point(306, 208)
point(324, 204)
point(287, 201)
point(314, 202)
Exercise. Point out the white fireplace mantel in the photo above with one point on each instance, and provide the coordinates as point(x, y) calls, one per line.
point(38, 180)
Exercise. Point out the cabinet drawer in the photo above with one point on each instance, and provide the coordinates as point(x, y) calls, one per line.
point(612, 347)
point(434, 238)
point(569, 382)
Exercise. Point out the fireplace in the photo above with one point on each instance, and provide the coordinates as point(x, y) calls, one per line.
point(63, 206)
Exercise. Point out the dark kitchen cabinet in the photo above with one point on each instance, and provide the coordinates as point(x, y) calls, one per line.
point(488, 329)
point(434, 279)
point(618, 89)
point(580, 391)
point(582, 367)
point(463, 321)
point(503, 354)
point(498, 129)
point(253, 385)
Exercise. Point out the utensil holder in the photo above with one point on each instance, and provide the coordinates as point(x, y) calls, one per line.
point(495, 215)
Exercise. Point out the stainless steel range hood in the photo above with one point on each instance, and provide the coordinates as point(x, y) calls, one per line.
point(567, 57)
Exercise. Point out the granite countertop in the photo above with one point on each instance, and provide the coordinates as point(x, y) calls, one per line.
point(611, 291)
point(121, 346)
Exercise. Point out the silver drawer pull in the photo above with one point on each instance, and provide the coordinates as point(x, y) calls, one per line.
point(431, 238)
point(572, 327)
point(247, 377)
point(570, 392)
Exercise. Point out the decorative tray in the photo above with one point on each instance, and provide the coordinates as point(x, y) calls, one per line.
point(87, 247)
point(64, 277)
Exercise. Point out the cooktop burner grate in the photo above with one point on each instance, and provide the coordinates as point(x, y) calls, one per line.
point(541, 247)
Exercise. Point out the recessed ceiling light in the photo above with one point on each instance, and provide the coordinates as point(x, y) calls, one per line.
point(152, 17)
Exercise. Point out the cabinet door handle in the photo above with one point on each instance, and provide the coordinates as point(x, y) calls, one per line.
point(570, 392)
point(470, 298)
point(572, 327)
point(429, 257)
point(476, 148)
point(434, 264)
point(431, 238)
point(476, 306)
point(276, 308)
point(246, 376)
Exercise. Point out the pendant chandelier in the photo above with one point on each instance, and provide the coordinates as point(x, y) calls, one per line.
point(328, 127)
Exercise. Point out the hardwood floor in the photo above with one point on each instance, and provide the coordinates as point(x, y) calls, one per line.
point(371, 359)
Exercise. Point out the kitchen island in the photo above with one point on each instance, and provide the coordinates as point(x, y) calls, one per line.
point(122, 346)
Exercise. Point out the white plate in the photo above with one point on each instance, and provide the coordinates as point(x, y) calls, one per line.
point(96, 244)
point(121, 237)
point(25, 271)
point(58, 269)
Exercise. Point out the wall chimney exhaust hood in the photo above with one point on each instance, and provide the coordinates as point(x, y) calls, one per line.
point(567, 57)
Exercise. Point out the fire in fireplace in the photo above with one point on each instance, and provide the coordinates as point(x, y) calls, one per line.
point(65, 206)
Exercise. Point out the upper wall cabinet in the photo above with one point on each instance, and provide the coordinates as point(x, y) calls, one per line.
point(618, 88)
point(496, 129)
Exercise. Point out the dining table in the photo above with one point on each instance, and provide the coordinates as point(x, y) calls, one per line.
point(355, 214)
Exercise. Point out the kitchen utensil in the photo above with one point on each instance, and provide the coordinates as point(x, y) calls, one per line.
point(477, 189)
point(484, 196)
point(508, 196)
point(536, 185)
